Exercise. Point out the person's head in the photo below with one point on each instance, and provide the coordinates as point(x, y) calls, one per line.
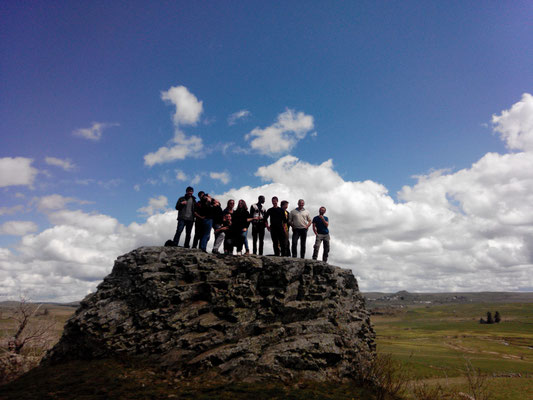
point(261, 199)
point(201, 194)
point(284, 204)
point(322, 210)
point(231, 204)
point(216, 203)
point(301, 203)
point(242, 204)
point(226, 217)
point(275, 201)
point(189, 191)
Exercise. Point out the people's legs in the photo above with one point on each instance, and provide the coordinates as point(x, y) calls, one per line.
point(188, 230)
point(219, 238)
point(275, 239)
point(326, 248)
point(295, 236)
point(261, 234)
point(316, 247)
point(179, 229)
point(303, 239)
point(255, 231)
point(206, 228)
point(245, 241)
point(198, 232)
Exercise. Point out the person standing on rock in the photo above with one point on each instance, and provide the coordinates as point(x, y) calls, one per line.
point(257, 212)
point(286, 247)
point(321, 229)
point(277, 218)
point(185, 206)
point(198, 224)
point(300, 221)
point(240, 222)
point(218, 215)
point(206, 210)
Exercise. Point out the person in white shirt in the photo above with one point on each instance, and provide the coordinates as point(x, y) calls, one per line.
point(300, 221)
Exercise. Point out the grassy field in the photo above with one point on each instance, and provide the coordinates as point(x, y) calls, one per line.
point(438, 343)
point(435, 345)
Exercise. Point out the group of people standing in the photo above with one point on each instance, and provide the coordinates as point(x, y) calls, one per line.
point(231, 225)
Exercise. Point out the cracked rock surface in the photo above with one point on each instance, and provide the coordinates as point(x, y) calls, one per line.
point(238, 318)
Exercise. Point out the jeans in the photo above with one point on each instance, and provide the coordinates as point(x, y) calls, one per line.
point(198, 232)
point(219, 238)
point(258, 232)
point(182, 223)
point(206, 229)
point(298, 234)
point(319, 239)
point(278, 240)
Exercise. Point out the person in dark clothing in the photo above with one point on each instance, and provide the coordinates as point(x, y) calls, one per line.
point(217, 223)
point(198, 224)
point(207, 212)
point(277, 218)
point(257, 212)
point(225, 231)
point(287, 247)
point(185, 206)
point(240, 222)
point(321, 229)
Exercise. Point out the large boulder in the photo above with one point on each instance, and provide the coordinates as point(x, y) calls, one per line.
point(237, 318)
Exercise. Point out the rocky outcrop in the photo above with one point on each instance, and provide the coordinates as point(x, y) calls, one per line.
point(233, 317)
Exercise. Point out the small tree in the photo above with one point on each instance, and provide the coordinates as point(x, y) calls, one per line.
point(497, 317)
point(489, 318)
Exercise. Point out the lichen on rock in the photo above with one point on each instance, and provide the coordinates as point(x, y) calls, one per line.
point(234, 317)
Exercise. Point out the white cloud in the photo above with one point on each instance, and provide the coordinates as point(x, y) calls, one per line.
point(155, 205)
point(283, 135)
point(188, 111)
point(11, 210)
point(18, 228)
point(221, 176)
point(17, 171)
point(233, 118)
point(180, 175)
point(184, 147)
point(55, 202)
point(137, 188)
point(468, 230)
point(95, 131)
point(196, 180)
point(67, 164)
point(188, 108)
point(516, 124)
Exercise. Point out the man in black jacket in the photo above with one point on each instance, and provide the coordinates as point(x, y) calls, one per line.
point(185, 206)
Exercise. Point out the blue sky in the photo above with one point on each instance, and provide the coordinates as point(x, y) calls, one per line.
point(388, 91)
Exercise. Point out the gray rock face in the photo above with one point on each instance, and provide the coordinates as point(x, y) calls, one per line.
point(237, 318)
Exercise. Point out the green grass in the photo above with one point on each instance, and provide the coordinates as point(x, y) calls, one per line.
point(436, 343)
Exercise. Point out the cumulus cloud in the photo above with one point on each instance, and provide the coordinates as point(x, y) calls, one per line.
point(155, 205)
point(95, 132)
point(17, 171)
point(55, 202)
point(66, 164)
point(220, 176)
point(11, 210)
point(283, 135)
point(516, 124)
point(188, 108)
point(184, 146)
point(180, 175)
point(466, 230)
point(18, 228)
point(188, 112)
point(233, 118)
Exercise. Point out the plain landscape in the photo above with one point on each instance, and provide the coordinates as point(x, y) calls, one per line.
point(436, 339)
